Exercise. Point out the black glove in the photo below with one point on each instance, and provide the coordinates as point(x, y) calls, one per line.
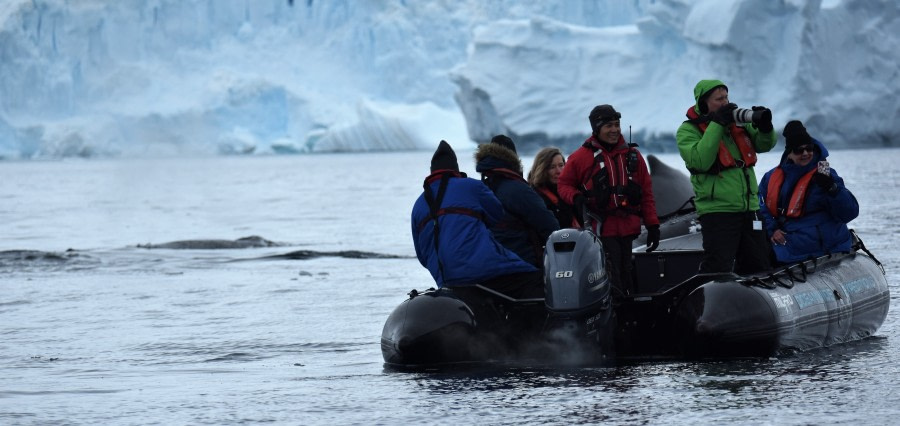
point(825, 182)
point(764, 122)
point(724, 115)
point(652, 237)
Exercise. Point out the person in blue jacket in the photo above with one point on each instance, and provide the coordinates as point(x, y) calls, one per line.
point(804, 202)
point(450, 232)
point(528, 222)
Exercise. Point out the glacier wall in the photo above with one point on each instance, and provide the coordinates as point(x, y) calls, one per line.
point(199, 77)
point(832, 65)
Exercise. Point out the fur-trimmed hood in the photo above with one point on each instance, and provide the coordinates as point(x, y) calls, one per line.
point(493, 156)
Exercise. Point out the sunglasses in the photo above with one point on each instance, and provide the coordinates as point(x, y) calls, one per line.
point(800, 149)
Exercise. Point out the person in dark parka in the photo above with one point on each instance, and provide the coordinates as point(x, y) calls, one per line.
point(527, 223)
point(450, 232)
point(804, 204)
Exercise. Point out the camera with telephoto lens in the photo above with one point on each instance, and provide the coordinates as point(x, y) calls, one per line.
point(755, 116)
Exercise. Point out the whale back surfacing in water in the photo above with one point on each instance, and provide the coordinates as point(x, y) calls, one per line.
point(240, 243)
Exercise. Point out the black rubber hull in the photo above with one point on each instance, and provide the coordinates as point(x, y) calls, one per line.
point(438, 329)
point(429, 329)
point(844, 300)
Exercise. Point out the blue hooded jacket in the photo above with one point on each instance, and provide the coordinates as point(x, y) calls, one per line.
point(468, 254)
point(822, 228)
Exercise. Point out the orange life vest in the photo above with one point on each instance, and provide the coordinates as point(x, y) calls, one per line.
point(725, 160)
point(550, 195)
point(555, 201)
point(794, 208)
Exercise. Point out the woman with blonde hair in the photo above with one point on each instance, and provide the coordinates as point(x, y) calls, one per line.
point(543, 177)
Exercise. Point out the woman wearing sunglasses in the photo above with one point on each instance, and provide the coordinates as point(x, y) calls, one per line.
point(803, 201)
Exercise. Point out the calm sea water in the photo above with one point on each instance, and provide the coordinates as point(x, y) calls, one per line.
point(96, 330)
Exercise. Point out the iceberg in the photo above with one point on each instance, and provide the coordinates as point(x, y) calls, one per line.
point(232, 77)
point(829, 64)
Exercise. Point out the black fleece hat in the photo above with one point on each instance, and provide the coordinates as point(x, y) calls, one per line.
point(795, 135)
point(602, 114)
point(505, 142)
point(444, 158)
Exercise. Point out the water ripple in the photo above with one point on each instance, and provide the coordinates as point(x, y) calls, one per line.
point(12, 261)
point(179, 352)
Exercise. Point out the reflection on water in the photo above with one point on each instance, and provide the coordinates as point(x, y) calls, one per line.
point(749, 390)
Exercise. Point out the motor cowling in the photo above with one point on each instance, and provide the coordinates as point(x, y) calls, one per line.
point(576, 281)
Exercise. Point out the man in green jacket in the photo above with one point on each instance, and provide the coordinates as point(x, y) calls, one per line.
point(718, 144)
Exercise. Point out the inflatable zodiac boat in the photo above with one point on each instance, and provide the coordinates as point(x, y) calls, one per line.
point(673, 312)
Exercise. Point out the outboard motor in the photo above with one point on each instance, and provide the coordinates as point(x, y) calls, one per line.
point(577, 288)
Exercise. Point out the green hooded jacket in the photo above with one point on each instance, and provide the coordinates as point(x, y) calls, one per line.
point(732, 190)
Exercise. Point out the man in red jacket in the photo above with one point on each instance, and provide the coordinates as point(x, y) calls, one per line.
point(609, 177)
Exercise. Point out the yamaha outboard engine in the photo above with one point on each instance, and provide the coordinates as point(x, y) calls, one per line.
point(578, 290)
